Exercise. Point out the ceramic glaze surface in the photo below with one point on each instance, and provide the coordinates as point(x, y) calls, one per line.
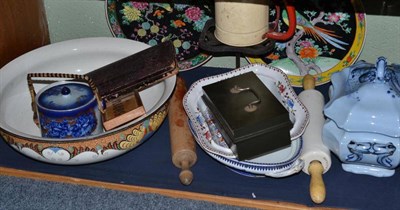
point(77, 56)
point(366, 98)
point(363, 125)
point(68, 110)
point(375, 154)
point(64, 96)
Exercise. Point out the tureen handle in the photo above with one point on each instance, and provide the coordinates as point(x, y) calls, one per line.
point(380, 68)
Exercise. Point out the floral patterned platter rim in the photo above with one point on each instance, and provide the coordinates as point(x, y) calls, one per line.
point(278, 164)
point(77, 56)
point(154, 22)
point(274, 79)
point(309, 53)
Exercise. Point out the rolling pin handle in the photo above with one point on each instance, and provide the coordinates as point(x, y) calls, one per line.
point(317, 185)
point(186, 176)
point(308, 82)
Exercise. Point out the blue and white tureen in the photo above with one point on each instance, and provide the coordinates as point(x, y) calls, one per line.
point(363, 118)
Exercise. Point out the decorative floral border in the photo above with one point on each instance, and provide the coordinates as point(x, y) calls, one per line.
point(349, 59)
point(123, 141)
point(116, 30)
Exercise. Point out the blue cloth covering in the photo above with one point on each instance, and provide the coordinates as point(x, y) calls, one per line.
point(150, 165)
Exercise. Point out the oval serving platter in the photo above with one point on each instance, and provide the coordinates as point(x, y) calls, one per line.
point(77, 56)
point(155, 22)
point(329, 37)
point(274, 79)
point(277, 164)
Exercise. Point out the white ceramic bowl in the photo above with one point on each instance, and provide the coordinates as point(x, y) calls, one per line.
point(79, 57)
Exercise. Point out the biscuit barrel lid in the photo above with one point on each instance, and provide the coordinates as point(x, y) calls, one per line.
point(65, 97)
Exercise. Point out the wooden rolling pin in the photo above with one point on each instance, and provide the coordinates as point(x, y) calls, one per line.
point(316, 155)
point(183, 146)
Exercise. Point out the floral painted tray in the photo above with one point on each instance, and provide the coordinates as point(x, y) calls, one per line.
point(329, 37)
point(154, 22)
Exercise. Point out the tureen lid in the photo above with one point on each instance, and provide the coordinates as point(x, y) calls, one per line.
point(62, 96)
point(366, 98)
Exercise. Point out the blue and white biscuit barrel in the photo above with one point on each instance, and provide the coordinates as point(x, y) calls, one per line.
point(68, 109)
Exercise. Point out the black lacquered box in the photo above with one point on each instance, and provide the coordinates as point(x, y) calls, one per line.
point(252, 121)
